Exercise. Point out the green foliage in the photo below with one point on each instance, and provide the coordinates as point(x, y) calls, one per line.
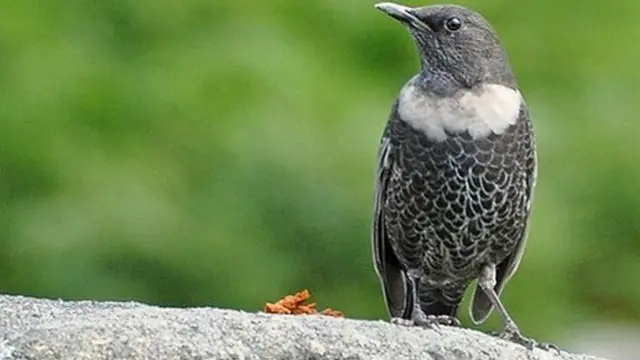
point(221, 153)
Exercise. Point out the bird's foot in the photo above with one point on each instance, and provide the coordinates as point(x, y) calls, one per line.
point(444, 320)
point(513, 334)
point(427, 321)
point(518, 338)
point(402, 321)
point(547, 346)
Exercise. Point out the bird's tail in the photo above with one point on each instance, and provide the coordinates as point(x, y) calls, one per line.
point(481, 306)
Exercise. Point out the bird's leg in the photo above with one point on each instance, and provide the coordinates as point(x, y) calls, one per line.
point(487, 282)
point(417, 317)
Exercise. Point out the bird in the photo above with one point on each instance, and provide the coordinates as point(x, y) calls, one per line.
point(455, 176)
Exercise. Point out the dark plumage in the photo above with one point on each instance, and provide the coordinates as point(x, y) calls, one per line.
point(456, 172)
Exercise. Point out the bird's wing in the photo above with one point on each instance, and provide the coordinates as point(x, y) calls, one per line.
point(508, 267)
point(481, 306)
point(387, 266)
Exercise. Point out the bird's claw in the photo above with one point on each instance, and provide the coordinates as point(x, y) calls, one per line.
point(428, 321)
point(547, 346)
point(444, 320)
point(515, 336)
point(420, 322)
point(402, 321)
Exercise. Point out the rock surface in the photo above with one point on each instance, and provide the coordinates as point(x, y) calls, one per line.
point(38, 329)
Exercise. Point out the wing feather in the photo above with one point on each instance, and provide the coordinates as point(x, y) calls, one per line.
point(387, 266)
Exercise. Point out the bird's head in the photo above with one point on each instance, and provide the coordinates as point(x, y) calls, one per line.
point(458, 48)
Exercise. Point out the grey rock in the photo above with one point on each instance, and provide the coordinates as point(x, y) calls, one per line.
point(39, 329)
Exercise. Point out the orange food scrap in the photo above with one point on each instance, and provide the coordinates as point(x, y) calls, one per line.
point(296, 305)
point(332, 312)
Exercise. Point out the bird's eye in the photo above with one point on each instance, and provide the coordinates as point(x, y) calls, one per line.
point(453, 23)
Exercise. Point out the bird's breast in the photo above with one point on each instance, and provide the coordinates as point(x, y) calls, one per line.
point(490, 108)
point(457, 203)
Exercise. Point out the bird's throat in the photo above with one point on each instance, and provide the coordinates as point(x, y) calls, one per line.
point(487, 109)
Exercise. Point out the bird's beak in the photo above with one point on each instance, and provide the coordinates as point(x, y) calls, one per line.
point(403, 14)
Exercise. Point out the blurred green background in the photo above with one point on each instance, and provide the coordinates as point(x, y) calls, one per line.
point(221, 152)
